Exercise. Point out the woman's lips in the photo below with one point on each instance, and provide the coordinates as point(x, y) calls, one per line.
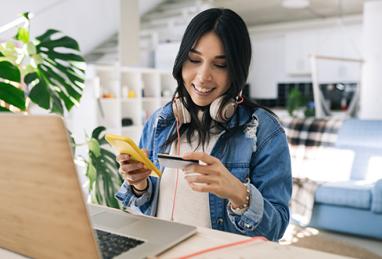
point(202, 91)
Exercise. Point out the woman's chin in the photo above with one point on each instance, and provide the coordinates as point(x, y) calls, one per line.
point(200, 103)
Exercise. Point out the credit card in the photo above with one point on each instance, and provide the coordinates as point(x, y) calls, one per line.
point(170, 161)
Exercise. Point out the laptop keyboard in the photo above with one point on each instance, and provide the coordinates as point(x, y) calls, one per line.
point(112, 245)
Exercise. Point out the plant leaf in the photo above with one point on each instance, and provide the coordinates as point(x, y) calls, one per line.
point(39, 94)
point(3, 109)
point(9, 71)
point(94, 147)
point(107, 180)
point(12, 95)
point(91, 174)
point(60, 72)
point(97, 132)
point(23, 35)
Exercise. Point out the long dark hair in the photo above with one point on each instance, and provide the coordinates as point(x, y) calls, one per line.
point(232, 31)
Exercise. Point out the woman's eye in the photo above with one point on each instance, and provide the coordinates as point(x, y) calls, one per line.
point(221, 65)
point(193, 60)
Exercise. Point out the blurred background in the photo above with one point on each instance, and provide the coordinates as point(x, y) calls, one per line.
point(316, 63)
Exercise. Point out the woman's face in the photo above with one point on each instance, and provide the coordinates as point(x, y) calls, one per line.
point(205, 73)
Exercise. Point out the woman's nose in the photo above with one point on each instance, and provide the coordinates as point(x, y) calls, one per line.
point(204, 74)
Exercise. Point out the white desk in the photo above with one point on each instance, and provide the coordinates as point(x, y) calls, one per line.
point(207, 238)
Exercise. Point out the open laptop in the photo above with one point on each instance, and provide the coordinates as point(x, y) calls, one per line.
point(42, 208)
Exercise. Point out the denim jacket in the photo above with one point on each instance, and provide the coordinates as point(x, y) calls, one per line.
point(259, 155)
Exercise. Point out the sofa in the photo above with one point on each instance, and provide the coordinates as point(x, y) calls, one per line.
point(344, 160)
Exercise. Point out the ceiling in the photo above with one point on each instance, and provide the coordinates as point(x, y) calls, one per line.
point(260, 12)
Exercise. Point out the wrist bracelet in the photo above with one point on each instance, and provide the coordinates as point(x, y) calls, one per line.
point(137, 191)
point(241, 210)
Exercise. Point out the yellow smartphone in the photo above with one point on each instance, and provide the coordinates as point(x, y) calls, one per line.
point(125, 145)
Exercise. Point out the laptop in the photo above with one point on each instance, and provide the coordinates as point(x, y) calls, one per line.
point(42, 209)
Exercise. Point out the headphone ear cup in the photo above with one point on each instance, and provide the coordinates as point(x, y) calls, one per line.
point(180, 112)
point(226, 112)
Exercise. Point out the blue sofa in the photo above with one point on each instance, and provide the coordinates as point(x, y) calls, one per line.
point(353, 205)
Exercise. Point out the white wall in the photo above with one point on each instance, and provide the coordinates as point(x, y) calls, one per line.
point(281, 53)
point(90, 22)
point(371, 91)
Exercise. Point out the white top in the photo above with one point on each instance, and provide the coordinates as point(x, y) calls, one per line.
point(191, 207)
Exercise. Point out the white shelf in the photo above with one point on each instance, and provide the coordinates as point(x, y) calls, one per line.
point(127, 81)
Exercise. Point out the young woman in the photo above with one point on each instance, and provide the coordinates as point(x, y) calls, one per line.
point(243, 181)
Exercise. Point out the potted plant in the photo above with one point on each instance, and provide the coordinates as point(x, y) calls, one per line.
point(49, 71)
point(298, 106)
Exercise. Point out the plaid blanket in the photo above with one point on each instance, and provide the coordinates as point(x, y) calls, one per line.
point(307, 137)
point(312, 132)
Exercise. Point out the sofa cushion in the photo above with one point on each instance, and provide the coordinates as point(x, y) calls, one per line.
point(322, 164)
point(360, 133)
point(376, 202)
point(356, 194)
point(364, 138)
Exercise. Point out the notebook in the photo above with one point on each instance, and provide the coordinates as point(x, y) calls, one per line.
point(43, 212)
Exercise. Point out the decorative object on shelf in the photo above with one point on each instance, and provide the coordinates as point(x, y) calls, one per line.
point(131, 94)
point(49, 71)
point(295, 103)
point(127, 122)
point(148, 90)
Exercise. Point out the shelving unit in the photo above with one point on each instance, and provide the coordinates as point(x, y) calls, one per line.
point(132, 94)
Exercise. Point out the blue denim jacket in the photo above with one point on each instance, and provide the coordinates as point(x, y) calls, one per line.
point(259, 154)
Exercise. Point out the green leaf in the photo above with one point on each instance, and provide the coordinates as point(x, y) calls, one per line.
point(94, 147)
point(59, 80)
point(56, 105)
point(31, 48)
point(46, 35)
point(3, 109)
point(9, 71)
point(23, 35)
point(91, 174)
point(26, 15)
point(12, 95)
point(61, 67)
point(39, 94)
point(97, 132)
point(63, 56)
point(107, 180)
point(65, 41)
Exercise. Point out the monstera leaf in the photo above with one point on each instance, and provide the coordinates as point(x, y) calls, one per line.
point(49, 70)
point(58, 81)
point(102, 170)
point(9, 86)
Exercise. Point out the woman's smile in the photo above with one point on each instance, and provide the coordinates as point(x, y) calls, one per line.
point(202, 91)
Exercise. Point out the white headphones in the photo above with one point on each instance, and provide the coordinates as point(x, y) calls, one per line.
point(183, 115)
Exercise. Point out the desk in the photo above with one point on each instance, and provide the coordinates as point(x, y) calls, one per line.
point(206, 238)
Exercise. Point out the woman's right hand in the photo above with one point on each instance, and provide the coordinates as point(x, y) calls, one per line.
point(133, 172)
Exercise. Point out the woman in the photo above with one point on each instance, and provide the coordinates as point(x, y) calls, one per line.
point(243, 183)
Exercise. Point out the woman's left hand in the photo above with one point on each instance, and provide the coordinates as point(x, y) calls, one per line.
point(214, 177)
